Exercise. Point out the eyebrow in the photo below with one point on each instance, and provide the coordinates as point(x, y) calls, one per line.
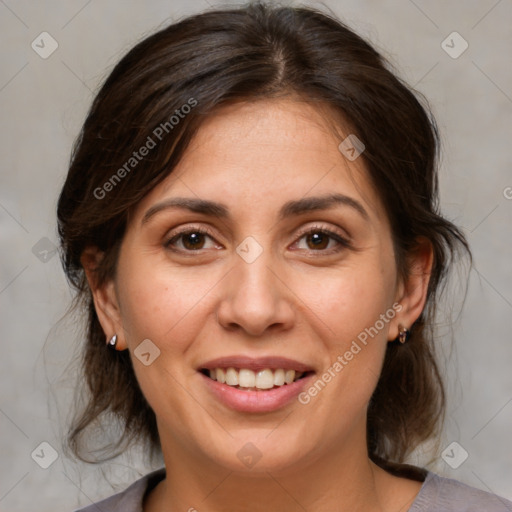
point(291, 208)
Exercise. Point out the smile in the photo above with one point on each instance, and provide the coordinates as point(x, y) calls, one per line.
point(252, 385)
point(249, 380)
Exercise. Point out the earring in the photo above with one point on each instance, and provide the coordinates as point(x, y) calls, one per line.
point(403, 334)
point(112, 342)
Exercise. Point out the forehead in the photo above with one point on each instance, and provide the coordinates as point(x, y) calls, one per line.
point(264, 153)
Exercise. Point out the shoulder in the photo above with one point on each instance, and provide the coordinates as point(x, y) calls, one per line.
point(129, 500)
point(439, 493)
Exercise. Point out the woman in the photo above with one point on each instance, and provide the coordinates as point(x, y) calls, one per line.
point(250, 218)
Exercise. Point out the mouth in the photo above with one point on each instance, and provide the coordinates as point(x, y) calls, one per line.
point(259, 385)
point(246, 379)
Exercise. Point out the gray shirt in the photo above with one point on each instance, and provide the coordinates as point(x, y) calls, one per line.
point(437, 494)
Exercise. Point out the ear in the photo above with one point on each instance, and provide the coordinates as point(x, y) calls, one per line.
point(104, 296)
point(412, 290)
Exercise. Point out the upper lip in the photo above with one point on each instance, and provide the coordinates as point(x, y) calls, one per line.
point(256, 364)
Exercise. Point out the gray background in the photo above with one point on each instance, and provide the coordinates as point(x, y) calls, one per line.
point(43, 103)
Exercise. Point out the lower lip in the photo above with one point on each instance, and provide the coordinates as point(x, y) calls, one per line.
point(256, 401)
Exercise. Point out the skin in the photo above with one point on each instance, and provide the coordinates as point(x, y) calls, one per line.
point(295, 300)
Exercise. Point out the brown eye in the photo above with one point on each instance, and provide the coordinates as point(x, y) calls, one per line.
point(193, 241)
point(190, 240)
point(322, 240)
point(318, 240)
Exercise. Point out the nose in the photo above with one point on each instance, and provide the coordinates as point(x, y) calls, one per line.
point(255, 299)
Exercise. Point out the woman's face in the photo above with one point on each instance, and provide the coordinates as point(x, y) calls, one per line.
point(265, 251)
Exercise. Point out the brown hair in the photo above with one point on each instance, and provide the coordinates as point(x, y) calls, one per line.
point(250, 53)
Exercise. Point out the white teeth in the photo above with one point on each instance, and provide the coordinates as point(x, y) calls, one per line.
point(220, 375)
point(289, 376)
point(231, 377)
point(279, 377)
point(248, 379)
point(264, 379)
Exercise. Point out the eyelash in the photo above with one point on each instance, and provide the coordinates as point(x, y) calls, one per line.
point(343, 242)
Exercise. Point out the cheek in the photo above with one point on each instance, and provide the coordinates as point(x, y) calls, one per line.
point(170, 309)
point(162, 304)
point(355, 308)
point(350, 299)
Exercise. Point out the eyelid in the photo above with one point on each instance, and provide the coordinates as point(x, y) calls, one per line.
point(331, 231)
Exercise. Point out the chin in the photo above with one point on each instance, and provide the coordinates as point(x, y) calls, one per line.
point(261, 453)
